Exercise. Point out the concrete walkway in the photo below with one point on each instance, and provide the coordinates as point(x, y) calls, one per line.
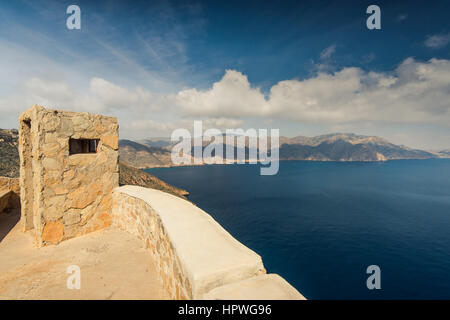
point(113, 265)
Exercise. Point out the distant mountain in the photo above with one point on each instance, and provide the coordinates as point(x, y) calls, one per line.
point(333, 137)
point(156, 142)
point(444, 153)
point(347, 147)
point(156, 152)
point(329, 147)
point(143, 156)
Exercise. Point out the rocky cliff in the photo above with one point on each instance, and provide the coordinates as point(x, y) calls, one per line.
point(132, 176)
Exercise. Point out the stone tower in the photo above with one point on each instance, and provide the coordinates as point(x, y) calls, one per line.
point(68, 169)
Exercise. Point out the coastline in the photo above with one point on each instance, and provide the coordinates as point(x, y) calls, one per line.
point(285, 160)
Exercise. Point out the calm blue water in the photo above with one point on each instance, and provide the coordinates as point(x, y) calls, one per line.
point(320, 224)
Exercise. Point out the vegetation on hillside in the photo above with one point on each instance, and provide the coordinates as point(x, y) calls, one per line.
point(9, 156)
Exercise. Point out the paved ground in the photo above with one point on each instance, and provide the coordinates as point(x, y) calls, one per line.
point(113, 264)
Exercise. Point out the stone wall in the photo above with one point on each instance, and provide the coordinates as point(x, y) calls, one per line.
point(138, 218)
point(10, 184)
point(64, 195)
point(196, 258)
point(9, 193)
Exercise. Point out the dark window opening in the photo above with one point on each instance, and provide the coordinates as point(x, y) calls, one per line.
point(83, 146)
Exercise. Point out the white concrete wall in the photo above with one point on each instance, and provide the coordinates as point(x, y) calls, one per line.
point(197, 258)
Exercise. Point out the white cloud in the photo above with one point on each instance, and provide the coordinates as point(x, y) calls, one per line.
point(148, 124)
point(167, 127)
point(437, 41)
point(222, 123)
point(328, 52)
point(102, 96)
point(415, 92)
point(37, 91)
point(232, 95)
point(107, 95)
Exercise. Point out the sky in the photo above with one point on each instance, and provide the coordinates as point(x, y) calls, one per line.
point(304, 67)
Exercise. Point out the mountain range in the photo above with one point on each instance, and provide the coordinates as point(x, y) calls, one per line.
point(156, 152)
point(330, 147)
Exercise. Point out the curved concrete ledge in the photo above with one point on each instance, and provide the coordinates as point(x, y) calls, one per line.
point(195, 254)
point(262, 287)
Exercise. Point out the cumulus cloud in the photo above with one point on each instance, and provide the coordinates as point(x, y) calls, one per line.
point(169, 126)
point(137, 106)
point(36, 91)
point(48, 90)
point(148, 124)
point(107, 95)
point(415, 92)
point(437, 41)
point(102, 96)
point(231, 96)
point(325, 63)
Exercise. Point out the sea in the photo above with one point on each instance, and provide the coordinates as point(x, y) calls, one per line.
point(320, 225)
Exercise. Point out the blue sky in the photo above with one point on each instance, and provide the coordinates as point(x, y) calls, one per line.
point(306, 67)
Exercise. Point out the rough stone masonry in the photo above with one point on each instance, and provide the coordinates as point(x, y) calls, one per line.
point(68, 169)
